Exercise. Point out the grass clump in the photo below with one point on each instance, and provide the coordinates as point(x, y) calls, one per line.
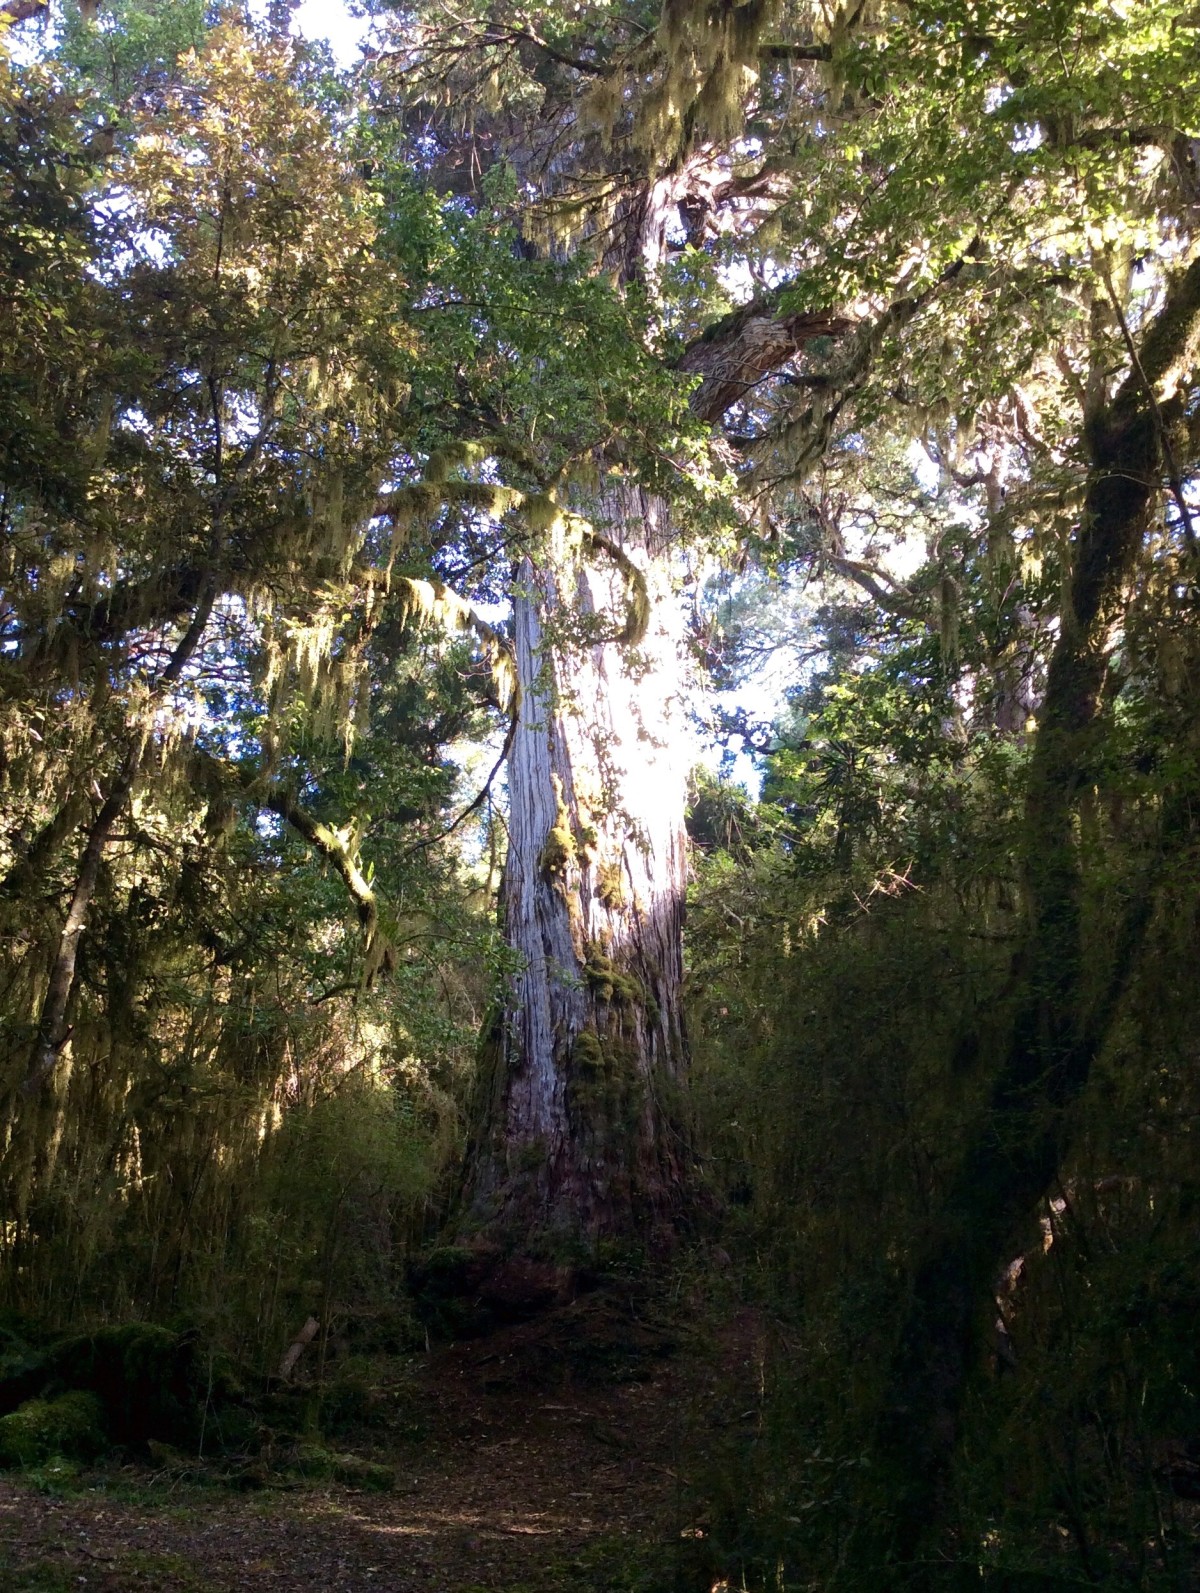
point(314, 1463)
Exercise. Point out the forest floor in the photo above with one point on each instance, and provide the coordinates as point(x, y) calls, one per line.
point(542, 1458)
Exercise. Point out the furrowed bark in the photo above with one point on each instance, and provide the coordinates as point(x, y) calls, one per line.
point(581, 1133)
point(581, 1121)
point(747, 346)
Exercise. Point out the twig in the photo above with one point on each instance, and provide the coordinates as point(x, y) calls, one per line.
point(474, 805)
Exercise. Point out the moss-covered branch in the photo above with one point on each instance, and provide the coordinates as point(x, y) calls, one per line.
point(337, 847)
point(637, 596)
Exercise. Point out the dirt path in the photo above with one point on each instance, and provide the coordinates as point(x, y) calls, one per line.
point(523, 1481)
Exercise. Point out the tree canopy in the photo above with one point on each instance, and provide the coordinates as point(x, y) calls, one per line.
point(395, 463)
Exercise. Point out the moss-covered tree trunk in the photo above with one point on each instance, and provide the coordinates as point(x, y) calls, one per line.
point(1071, 987)
point(581, 1132)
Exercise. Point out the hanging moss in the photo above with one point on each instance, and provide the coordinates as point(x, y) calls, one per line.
point(542, 512)
point(452, 455)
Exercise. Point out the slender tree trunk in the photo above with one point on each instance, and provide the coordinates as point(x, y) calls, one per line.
point(53, 1030)
point(1019, 1149)
point(582, 1130)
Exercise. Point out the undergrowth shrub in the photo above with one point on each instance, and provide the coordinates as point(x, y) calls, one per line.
point(846, 1042)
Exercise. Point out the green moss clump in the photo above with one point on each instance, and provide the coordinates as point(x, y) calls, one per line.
point(355, 1472)
point(315, 1463)
point(610, 886)
point(558, 849)
point(587, 1052)
point(608, 982)
point(558, 852)
point(71, 1425)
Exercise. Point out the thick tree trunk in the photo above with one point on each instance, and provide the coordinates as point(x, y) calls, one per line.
point(582, 1130)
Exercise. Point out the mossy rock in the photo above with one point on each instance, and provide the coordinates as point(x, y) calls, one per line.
point(153, 1383)
point(71, 1425)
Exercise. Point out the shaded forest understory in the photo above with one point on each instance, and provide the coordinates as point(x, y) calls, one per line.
point(525, 1460)
point(454, 1134)
point(633, 1439)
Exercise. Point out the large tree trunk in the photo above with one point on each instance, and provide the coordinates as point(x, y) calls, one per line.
point(581, 1129)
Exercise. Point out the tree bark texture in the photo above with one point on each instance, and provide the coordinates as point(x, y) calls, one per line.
point(581, 1131)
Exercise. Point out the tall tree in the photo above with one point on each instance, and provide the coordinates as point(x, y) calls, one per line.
point(938, 223)
point(582, 1125)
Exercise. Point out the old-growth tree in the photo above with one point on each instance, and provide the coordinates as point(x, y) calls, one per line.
point(976, 230)
point(582, 1121)
point(571, 276)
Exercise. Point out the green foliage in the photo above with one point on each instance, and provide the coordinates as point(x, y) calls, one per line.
point(72, 1425)
point(279, 366)
point(129, 45)
point(50, 320)
point(847, 1038)
point(213, 357)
